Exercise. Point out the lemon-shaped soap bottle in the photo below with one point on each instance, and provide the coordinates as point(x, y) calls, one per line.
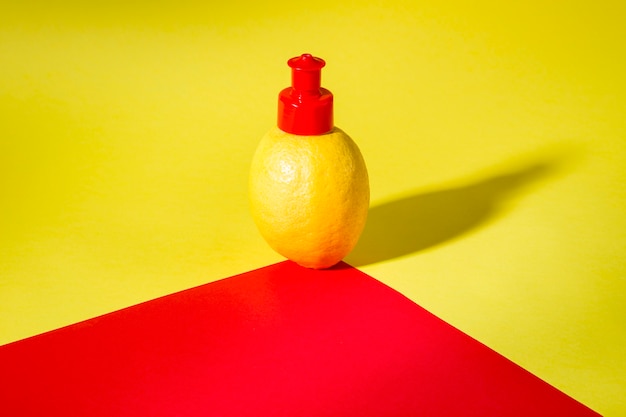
point(309, 188)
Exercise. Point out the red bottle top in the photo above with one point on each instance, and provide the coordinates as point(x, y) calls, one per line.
point(305, 108)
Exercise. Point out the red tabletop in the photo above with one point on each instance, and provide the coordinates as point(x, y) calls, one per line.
point(278, 341)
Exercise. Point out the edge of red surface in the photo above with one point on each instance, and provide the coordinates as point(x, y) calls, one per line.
point(281, 340)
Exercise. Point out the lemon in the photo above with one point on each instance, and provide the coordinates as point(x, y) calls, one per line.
point(309, 195)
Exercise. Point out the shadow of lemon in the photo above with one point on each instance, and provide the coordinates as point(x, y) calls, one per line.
point(424, 220)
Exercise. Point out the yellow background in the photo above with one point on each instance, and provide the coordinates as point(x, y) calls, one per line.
point(495, 138)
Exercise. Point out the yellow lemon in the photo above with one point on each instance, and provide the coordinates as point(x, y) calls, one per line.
point(309, 195)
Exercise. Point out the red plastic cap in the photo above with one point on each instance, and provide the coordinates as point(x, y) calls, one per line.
point(305, 108)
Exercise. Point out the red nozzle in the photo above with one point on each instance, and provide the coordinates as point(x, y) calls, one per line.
point(305, 108)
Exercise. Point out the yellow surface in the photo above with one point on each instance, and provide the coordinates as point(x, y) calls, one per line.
point(495, 138)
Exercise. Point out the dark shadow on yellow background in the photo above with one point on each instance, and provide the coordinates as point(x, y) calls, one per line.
point(425, 220)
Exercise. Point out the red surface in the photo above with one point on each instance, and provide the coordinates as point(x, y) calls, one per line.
point(279, 341)
point(305, 108)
